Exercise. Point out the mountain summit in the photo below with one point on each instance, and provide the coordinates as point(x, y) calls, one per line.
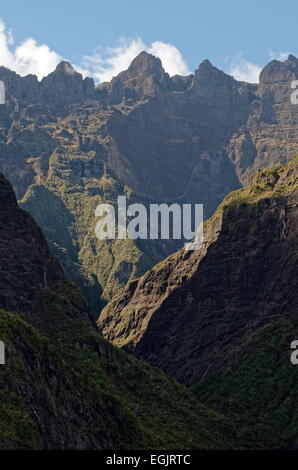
point(66, 146)
point(65, 86)
point(144, 78)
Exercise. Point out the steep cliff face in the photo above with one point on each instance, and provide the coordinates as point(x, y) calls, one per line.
point(64, 387)
point(143, 79)
point(153, 137)
point(191, 310)
point(269, 135)
point(66, 86)
point(257, 388)
point(27, 266)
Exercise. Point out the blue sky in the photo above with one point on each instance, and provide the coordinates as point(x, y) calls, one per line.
point(234, 35)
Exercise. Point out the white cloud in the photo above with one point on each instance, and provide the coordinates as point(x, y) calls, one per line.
point(171, 58)
point(106, 63)
point(279, 55)
point(243, 70)
point(28, 57)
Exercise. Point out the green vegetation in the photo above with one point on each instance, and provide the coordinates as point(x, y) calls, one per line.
point(95, 376)
point(258, 389)
point(271, 182)
point(17, 430)
point(64, 208)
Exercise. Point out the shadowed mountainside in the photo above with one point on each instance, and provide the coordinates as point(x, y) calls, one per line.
point(222, 319)
point(63, 386)
point(67, 146)
point(188, 311)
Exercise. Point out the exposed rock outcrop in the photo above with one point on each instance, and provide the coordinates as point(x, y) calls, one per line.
point(59, 386)
point(66, 86)
point(27, 267)
point(191, 310)
point(157, 138)
point(144, 78)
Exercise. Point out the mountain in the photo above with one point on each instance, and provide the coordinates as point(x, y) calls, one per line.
point(257, 388)
point(183, 314)
point(62, 385)
point(67, 146)
point(222, 318)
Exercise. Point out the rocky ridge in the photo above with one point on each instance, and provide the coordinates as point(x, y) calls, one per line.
point(188, 312)
point(66, 146)
point(62, 385)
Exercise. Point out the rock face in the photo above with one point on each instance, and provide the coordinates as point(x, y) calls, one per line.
point(59, 386)
point(144, 78)
point(65, 147)
point(66, 86)
point(27, 267)
point(191, 310)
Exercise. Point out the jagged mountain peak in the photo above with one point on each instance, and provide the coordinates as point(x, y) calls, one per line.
point(65, 68)
point(292, 63)
point(146, 63)
point(277, 70)
point(209, 74)
point(144, 77)
point(292, 59)
point(65, 85)
point(63, 71)
point(180, 138)
point(206, 64)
